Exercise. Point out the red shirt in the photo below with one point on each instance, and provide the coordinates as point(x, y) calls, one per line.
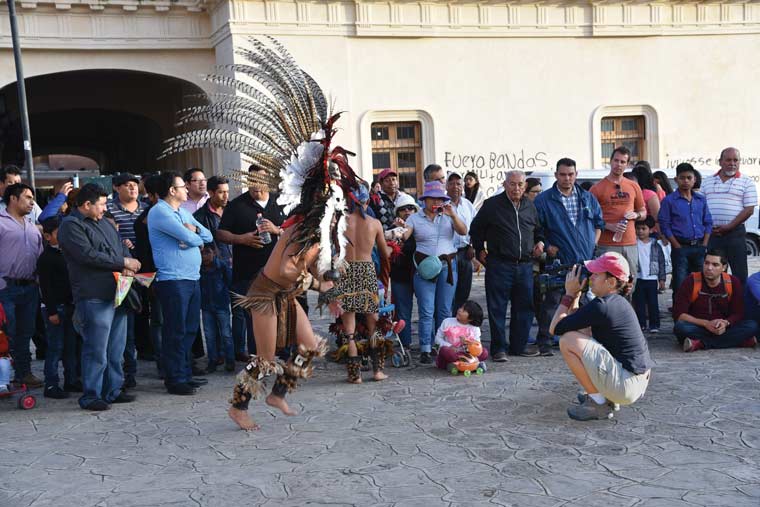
point(706, 307)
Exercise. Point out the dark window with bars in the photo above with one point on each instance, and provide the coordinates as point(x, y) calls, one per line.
point(398, 146)
point(628, 131)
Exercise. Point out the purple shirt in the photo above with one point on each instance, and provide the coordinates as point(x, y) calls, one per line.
point(192, 206)
point(22, 245)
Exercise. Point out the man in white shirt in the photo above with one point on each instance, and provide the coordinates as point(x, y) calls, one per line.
point(196, 190)
point(731, 199)
point(465, 253)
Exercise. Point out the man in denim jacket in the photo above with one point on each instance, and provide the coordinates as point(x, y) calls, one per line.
point(572, 222)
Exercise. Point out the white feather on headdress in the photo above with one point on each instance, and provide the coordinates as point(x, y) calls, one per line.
point(325, 245)
point(294, 174)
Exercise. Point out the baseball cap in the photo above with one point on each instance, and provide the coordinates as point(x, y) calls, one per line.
point(121, 179)
point(385, 173)
point(453, 174)
point(612, 263)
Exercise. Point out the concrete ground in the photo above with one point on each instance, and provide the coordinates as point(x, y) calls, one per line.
point(423, 437)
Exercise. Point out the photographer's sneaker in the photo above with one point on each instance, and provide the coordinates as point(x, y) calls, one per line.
point(583, 397)
point(591, 411)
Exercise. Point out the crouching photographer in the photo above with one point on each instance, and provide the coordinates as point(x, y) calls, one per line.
point(602, 342)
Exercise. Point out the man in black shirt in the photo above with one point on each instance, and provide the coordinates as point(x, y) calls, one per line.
point(613, 367)
point(144, 254)
point(212, 211)
point(508, 223)
point(249, 253)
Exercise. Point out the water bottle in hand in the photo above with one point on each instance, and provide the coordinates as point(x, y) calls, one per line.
point(618, 237)
point(266, 238)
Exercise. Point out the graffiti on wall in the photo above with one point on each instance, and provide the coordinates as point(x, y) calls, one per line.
point(492, 167)
point(749, 164)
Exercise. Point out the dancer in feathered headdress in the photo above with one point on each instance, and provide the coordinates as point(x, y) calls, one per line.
point(277, 118)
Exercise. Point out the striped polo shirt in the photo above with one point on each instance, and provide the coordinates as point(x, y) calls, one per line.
point(125, 220)
point(727, 199)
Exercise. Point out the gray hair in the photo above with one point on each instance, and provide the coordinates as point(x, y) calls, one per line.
point(513, 172)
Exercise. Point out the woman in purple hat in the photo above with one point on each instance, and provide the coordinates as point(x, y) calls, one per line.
point(435, 280)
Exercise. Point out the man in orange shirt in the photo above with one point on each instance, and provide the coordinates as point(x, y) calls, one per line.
point(622, 204)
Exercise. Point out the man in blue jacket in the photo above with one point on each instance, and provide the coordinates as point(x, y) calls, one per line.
point(572, 222)
point(176, 238)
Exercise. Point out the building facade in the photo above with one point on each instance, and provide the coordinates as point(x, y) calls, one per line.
point(485, 86)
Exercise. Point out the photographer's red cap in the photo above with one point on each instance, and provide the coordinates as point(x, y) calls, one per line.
point(612, 263)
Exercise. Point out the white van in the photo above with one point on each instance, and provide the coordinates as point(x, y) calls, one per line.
point(752, 225)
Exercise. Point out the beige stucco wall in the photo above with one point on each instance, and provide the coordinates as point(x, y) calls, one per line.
point(491, 82)
point(535, 98)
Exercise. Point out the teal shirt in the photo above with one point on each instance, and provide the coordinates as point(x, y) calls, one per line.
point(176, 249)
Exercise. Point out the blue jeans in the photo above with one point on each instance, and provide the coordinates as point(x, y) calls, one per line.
point(181, 308)
point(401, 293)
point(20, 304)
point(130, 352)
point(156, 322)
point(104, 333)
point(733, 337)
point(685, 260)
point(733, 245)
point(62, 345)
point(507, 281)
point(242, 325)
point(217, 328)
point(464, 280)
point(645, 303)
point(434, 299)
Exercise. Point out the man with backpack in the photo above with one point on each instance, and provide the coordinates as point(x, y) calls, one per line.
point(709, 309)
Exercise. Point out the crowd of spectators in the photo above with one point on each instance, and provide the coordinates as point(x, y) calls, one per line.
point(204, 248)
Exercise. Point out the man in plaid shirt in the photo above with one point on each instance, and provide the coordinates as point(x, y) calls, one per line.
point(571, 219)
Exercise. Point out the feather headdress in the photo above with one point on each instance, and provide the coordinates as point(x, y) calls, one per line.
point(277, 117)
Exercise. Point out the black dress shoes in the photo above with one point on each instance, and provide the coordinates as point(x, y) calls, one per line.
point(180, 389)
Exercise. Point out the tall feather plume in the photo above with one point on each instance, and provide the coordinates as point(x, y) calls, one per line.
point(276, 116)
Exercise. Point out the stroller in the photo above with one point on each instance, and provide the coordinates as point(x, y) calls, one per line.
point(391, 330)
point(10, 389)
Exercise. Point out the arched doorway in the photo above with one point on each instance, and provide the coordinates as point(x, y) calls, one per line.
point(118, 118)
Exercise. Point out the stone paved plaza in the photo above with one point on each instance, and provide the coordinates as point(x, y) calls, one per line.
point(422, 437)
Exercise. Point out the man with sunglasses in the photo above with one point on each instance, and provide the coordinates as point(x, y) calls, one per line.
point(622, 205)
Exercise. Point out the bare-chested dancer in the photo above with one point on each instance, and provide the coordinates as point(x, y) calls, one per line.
point(356, 291)
point(276, 318)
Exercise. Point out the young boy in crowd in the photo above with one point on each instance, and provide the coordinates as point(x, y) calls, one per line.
point(58, 313)
point(651, 276)
point(216, 277)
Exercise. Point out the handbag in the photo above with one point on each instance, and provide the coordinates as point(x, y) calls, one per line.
point(133, 301)
point(431, 266)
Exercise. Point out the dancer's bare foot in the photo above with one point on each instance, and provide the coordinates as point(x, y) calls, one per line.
point(379, 376)
point(280, 403)
point(242, 419)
